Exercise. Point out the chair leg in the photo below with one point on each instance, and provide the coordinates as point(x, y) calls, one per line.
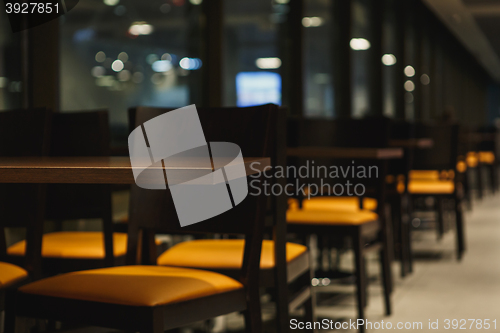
point(480, 186)
point(9, 314)
point(253, 316)
point(282, 318)
point(466, 188)
point(156, 322)
point(385, 269)
point(440, 219)
point(493, 178)
point(409, 213)
point(310, 303)
point(460, 229)
point(367, 281)
point(360, 274)
point(400, 227)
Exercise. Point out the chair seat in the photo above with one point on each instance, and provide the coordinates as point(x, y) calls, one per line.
point(134, 285)
point(222, 254)
point(431, 187)
point(472, 159)
point(10, 274)
point(487, 157)
point(330, 217)
point(75, 245)
point(336, 203)
point(424, 174)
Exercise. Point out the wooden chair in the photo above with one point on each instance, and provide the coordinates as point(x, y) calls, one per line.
point(282, 264)
point(433, 175)
point(398, 195)
point(488, 149)
point(367, 229)
point(155, 298)
point(78, 134)
point(22, 133)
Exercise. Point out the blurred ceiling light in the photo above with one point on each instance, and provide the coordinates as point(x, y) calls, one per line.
point(359, 44)
point(409, 86)
point(161, 66)
point(151, 58)
point(282, 2)
point(268, 63)
point(389, 59)
point(165, 8)
point(98, 71)
point(124, 75)
point(409, 71)
point(157, 78)
point(105, 81)
point(140, 28)
point(111, 2)
point(425, 79)
point(117, 65)
point(120, 10)
point(100, 56)
point(190, 63)
point(137, 77)
point(196, 2)
point(409, 98)
point(166, 56)
point(123, 56)
point(312, 21)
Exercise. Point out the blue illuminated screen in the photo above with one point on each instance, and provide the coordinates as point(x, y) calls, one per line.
point(257, 88)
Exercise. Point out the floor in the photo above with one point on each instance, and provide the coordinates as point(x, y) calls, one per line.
point(440, 288)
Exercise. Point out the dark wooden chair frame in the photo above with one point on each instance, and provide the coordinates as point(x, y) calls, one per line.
point(280, 277)
point(24, 132)
point(147, 222)
point(371, 236)
point(426, 163)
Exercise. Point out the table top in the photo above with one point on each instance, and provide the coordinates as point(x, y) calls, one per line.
point(420, 143)
point(90, 170)
point(345, 153)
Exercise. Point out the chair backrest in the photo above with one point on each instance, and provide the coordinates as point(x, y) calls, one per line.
point(443, 154)
point(24, 133)
point(370, 132)
point(402, 130)
point(79, 134)
point(259, 132)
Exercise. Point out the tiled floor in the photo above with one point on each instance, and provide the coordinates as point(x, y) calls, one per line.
point(440, 287)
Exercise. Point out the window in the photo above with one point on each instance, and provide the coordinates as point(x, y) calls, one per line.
point(117, 54)
point(11, 87)
point(252, 64)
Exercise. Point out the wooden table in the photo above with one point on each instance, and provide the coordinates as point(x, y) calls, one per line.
point(421, 143)
point(87, 170)
point(345, 153)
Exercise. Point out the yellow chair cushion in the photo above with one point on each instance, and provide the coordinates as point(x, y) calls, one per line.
point(486, 157)
point(10, 274)
point(134, 285)
point(222, 254)
point(461, 166)
point(431, 187)
point(336, 203)
point(424, 174)
point(472, 159)
point(75, 245)
point(330, 217)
